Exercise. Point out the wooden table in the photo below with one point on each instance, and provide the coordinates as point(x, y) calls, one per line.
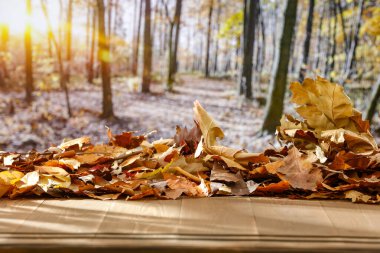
point(205, 225)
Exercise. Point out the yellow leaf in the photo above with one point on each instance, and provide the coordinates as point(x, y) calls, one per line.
point(322, 104)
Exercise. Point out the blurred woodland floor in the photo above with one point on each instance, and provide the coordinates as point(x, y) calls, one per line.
point(45, 122)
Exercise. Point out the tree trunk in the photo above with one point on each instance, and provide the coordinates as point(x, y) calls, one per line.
point(173, 45)
point(345, 39)
point(62, 79)
point(103, 55)
point(370, 112)
point(333, 52)
point(135, 57)
point(306, 45)
point(354, 42)
point(207, 73)
point(90, 71)
point(177, 22)
point(318, 49)
point(250, 9)
point(109, 16)
point(88, 27)
point(147, 69)
point(275, 100)
point(28, 54)
point(218, 12)
point(68, 39)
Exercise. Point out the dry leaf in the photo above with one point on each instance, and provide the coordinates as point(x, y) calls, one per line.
point(299, 172)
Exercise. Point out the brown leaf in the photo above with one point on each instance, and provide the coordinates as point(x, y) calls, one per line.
point(76, 143)
point(125, 139)
point(220, 174)
point(299, 172)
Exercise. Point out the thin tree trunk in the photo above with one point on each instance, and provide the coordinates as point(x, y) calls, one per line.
point(103, 52)
point(28, 55)
point(109, 16)
point(218, 12)
point(177, 22)
point(332, 65)
point(250, 10)
point(170, 77)
point(354, 42)
point(210, 10)
point(88, 26)
point(173, 43)
point(345, 39)
point(62, 79)
point(306, 45)
point(90, 71)
point(275, 101)
point(147, 69)
point(68, 39)
point(135, 58)
point(328, 44)
point(370, 112)
point(319, 37)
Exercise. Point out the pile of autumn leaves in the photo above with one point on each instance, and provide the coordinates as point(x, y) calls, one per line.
point(330, 154)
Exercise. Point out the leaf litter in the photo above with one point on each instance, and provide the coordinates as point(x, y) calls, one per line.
point(329, 153)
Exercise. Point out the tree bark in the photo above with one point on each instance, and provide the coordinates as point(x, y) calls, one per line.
point(318, 49)
point(333, 52)
point(354, 42)
point(68, 39)
point(210, 10)
point(177, 22)
point(28, 54)
point(345, 39)
point(375, 95)
point(275, 100)
point(135, 57)
point(306, 45)
point(90, 71)
point(103, 56)
point(218, 12)
point(250, 9)
point(147, 69)
point(173, 44)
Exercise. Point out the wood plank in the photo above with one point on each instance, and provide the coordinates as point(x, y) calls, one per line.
point(209, 224)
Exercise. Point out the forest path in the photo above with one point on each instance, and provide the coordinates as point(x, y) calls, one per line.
point(44, 123)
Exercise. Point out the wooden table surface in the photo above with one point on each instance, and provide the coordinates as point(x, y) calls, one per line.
point(204, 225)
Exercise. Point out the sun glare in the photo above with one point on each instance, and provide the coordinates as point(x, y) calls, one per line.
point(13, 14)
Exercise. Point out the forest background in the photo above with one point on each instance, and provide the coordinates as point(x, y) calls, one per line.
point(69, 68)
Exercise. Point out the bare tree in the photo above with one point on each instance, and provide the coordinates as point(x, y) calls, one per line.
point(28, 54)
point(90, 65)
point(210, 10)
point(135, 56)
point(250, 8)
point(103, 56)
point(275, 101)
point(306, 45)
point(68, 39)
point(174, 23)
point(351, 53)
point(218, 12)
point(147, 69)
